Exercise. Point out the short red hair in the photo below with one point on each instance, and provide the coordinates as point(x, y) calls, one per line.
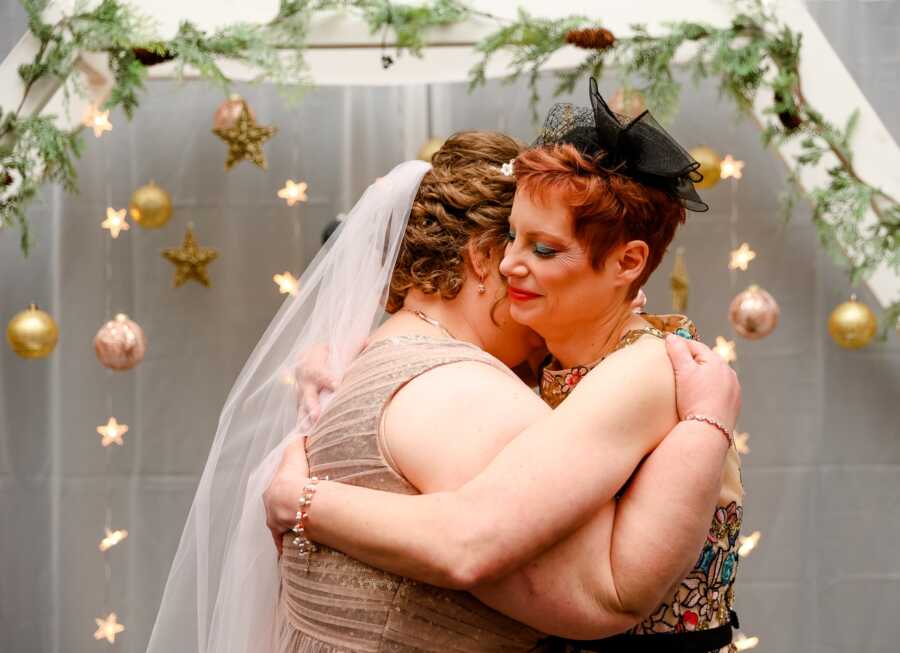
point(608, 208)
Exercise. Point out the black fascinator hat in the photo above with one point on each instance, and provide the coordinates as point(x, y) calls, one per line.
point(638, 148)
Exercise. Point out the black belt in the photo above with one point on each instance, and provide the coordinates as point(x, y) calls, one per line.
point(697, 641)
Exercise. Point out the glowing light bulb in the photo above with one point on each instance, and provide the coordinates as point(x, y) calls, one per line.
point(112, 432)
point(108, 628)
point(97, 120)
point(731, 167)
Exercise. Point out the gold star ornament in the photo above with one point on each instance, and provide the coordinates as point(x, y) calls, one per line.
point(112, 432)
point(97, 120)
point(731, 167)
point(725, 349)
point(190, 260)
point(741, 257)
point(245, 139)
point(115, 221)
point(293, 192)
point(108, 628)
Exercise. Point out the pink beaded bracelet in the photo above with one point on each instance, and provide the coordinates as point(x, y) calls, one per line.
point(729, 436)
point(306, 547)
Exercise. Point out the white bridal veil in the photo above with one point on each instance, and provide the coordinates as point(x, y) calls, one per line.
point(222, 589)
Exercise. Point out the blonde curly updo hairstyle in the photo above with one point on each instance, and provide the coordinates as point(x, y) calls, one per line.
point(464, 198)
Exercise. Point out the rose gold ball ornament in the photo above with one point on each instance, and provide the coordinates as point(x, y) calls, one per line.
point(852, 324)
point(150, 206)
point(226, 116)
point(628, 102)
point(753, 313)
point(428, 150)
point(120, 343)
point(710, 165)
point(32, 333)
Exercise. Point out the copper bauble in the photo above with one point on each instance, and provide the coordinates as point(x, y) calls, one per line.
point(852, 324)
point(32, 333)
point(150, 206)
point(120, 343)
point(753, 313)
point(229, 111)
point(710, 165)
point(628, 102)
point(428, 150)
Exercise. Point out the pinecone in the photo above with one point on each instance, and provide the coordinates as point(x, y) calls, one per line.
point(591, 38)
point(151, 57)
point(789, 119)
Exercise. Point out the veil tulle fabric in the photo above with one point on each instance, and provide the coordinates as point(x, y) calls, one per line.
point(222, 591)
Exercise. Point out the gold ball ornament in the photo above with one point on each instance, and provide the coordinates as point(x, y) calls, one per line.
point(710, 165)
point(754, 313)
point(228, 113)
point(32, 333)
point(429, 149)
point(120, 344)
point(628, 102)
point(150, 206)
point(852, 324)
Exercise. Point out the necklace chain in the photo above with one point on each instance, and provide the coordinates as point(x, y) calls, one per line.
point(430, 320)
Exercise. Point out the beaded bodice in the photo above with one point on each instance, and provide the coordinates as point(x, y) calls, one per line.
point(704, 598)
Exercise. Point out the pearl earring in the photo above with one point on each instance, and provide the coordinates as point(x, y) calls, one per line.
point(481, 289)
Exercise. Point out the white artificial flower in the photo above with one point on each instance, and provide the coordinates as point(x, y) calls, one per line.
point(508, 168)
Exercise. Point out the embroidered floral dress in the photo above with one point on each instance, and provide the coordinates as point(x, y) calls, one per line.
point(704, 598)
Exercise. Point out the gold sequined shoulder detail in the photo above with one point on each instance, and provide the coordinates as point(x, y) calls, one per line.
point(557, 383)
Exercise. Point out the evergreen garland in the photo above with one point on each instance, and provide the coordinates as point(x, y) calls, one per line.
point(754, 54)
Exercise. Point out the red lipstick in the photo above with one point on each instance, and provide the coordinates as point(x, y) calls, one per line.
point(519, 295)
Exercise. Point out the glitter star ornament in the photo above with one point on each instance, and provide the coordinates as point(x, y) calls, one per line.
point(112, 432)
point(741, 257)
point(740, 443)
point(245, 139)
point(731, 167)
point(97, 120)
point(190, 260)
point(112, 538)
point(115, 221)
point(287, 283)
point(293, 192)
point(108, 628)
point(725, 349)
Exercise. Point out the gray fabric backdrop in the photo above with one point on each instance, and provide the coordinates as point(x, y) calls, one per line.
point(823, 476)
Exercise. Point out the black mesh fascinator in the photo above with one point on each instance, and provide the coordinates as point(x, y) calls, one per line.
point(635, 147)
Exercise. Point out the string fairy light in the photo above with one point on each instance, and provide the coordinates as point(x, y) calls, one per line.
point(744, 643)
point(741, 257)
point(112, 432)
point(294, 192)
point(731, 168)
point(112, 538)
point(115, 221)
point(748, 543)
point(287, 283)
point(108, 627)
point(97, 120)
point(725, 349)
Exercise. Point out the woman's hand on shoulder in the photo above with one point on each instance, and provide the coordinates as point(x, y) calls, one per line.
point(704, 383)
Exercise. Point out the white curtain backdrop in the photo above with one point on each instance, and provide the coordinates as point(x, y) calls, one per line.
point(823, 476)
